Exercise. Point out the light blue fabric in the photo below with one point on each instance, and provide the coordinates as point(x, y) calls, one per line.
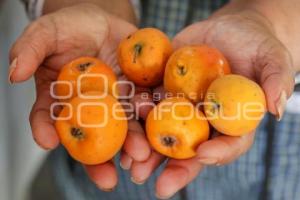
point(244, 179)
point(172, 15)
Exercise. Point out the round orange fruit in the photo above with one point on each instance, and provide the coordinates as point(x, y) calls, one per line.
point(92, 130)
point(234, 105)
point(83, 75)
point(191, 69)
point(142, 56)
point(175, 128)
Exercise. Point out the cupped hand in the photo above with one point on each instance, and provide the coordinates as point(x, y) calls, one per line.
point(250, 44)
point(50, 42)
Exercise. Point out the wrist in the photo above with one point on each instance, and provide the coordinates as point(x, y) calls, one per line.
point(119, 8)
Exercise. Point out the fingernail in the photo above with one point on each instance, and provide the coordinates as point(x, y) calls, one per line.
point(280, 105)
point(41, 146)
point(11, 69)
point(126, 162)
point(46, 148)
point(208, 161)
point(136, 181)
point(106, 189)
point(162, 197)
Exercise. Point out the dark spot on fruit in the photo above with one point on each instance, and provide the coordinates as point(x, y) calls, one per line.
point(168, 141)
point(182, 70)
point(137, 51)
point(216, 106)
point(129, 36)
point(83, 66)
point(77, 133)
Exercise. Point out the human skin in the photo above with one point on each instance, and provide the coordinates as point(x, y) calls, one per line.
point(57, 38)
point(260, 43)
point(120, 8)
point(275, 62)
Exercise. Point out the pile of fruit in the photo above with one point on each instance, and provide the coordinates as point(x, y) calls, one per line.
point(204, 95)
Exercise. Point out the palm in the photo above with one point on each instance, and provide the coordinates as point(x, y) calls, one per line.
point(240, 50)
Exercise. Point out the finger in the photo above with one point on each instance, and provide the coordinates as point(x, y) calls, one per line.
point(138, 90)
point(276, 75)
point(33, 46)
point(124, 91)
point(125, 161)
point(160, 93)
point(223, 149)
point(136, 144)
point(196, 35)
point(176, 175)
point(42, 125)
point(123, 88)
point(142, 104)
point(103, 175)
point(141, 171)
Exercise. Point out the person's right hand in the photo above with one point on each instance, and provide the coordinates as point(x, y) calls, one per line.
point(50, 42)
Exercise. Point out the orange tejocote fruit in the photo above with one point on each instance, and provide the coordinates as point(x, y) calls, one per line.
point(92, 130)
point(142, 56)
point(86, 74)
point(175, 128)
point(234, 105)
point(191, 69)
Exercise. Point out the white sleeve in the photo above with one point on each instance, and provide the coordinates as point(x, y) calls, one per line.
point(137, 8)
point(35, 8)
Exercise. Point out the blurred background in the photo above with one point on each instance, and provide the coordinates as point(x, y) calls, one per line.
point(20, 157)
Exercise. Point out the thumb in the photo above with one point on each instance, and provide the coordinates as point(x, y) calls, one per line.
point(191, 35)
point(32, 47)
point(275, 73)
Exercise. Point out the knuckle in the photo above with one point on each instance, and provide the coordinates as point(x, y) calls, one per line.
point(42, 24)
point(34, 36)
point(13, 52)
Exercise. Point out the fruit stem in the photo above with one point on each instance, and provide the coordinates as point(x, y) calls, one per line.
point(181, 70)
point(216, 106)
point(168, 141)
point(83, 66)
point(137, 51)
point(77, 133)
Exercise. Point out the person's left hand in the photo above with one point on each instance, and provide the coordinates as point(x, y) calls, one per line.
point(249, 43)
